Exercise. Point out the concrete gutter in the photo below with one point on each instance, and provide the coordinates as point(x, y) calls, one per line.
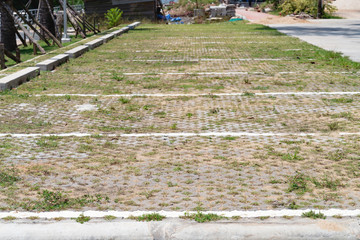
point(182, 229)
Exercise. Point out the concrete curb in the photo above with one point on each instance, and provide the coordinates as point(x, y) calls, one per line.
point(52, 63)
point(13, 80)
point(107, 37)
point(77, 52)
point(182, 229)
point(95, 43)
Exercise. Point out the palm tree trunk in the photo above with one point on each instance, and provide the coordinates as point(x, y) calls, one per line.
point(7, 30)
point(45, 17)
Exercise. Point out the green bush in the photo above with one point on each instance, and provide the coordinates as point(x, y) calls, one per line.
point(113, 17)
point(302, 6)
point(298, 6)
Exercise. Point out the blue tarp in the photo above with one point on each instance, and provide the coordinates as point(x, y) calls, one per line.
point(176, 20)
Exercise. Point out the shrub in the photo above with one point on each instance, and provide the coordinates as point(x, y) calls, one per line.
point(113, 17)
point(298, 6)
point(306, 6)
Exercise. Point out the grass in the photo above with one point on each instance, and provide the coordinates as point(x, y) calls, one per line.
point(8, 177)
point(314, 215)
point(109, 171)
point(298, 183)
point(109, 218)
point(202, 217)
point(9, 218)
point(51, 201)
point(82, 219)
point(26, 53)
point(148, 217)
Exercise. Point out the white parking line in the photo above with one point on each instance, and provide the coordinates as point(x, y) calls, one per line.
point(232, 73)
point(206, 60)
point(174, 214)
point(200, 94)
point(179, 134)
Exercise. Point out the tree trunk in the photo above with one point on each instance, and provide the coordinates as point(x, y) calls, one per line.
point(45, 17)
point(320, 9)
point(7, 31)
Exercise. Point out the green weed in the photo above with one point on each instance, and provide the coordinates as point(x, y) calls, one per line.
point(202, 217)
point(298, 183)
point(82, 219)
point(148, 217)
point(314, 215)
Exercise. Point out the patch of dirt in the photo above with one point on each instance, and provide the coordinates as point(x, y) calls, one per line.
point(280, 20)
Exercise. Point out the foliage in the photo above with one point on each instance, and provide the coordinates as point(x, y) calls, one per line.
point(109, 217)
point(302, 6)
point(113, 17)
point(7, 177)
point(275, 3)
point(313, 215)
point(299, 6)
point(76, 2)
point(190, 5)
point(148, 217)
point(50, 201)
point(298, 183)
point(82, 219)
point(202, 217)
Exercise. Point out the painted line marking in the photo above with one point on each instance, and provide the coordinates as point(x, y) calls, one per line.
point(173, 214)
point(188, 73)
point(232, 73)
point(199, 94)
point(181, 134)
point(207, 60)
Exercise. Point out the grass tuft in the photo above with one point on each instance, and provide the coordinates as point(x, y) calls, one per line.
point(148, 217)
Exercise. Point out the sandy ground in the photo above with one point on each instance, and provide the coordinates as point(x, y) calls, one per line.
point(349, 14)
point(276, 20)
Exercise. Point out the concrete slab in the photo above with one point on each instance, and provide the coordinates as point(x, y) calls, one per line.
point(339, 35)
point(95, 43)
point(119, 32)
point(125, 29)
point(77, 52)
point(52, 63)
point(107, 37)
point(61, 58)
point(15, 79)
point(134, 25)
point(47, 65)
